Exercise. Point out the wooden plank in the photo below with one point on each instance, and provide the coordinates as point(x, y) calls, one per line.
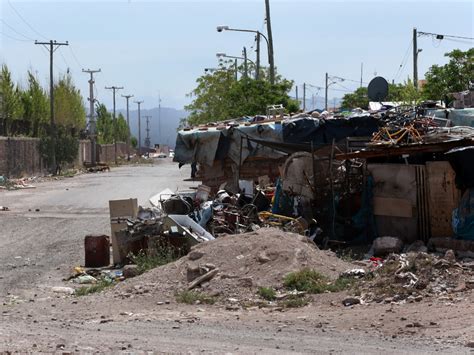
point(395, 207)
point(443, 197)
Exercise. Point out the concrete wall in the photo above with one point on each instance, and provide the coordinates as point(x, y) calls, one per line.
point(20, 156)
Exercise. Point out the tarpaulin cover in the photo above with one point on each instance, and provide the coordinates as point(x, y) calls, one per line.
point(463, 217)
point(321, 132)
point(458, 117)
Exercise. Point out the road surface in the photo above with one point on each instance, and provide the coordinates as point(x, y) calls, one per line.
point(41, 240)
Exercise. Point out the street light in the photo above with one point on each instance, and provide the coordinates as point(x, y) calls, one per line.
point(270, 52)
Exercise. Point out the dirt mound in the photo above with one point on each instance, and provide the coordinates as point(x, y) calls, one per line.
point(243, 262)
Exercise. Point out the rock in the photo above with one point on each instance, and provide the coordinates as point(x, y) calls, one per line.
point(386, 245)
point(470, 344)
point(460, 287)
point(470, 284)
point(417, 247)
point(65, 290)
point(193, 271)
point(349, 301)
point(263, 257)
point(195, 255)
point(450, 256)
point(130, 271)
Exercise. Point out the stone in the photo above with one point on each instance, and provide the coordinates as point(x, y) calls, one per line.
point(417, 247)
point(450, 256)
point(195, 255)
point(65, 290)
point(193, 271)
point(386, 245)
point(245, 282)
point(130, 271)
point(263, 257)
point(349, 301)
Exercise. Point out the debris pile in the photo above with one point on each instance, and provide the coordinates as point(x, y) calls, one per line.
point(413, 276)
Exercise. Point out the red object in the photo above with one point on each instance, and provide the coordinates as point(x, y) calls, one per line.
point(97, 250)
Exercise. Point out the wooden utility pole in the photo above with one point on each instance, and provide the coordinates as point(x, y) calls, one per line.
point(139, 129)
point(114, 90)
point(297, 100)
point(51, 46)
point(92, 123)
point(270, 42)
point(127, 97)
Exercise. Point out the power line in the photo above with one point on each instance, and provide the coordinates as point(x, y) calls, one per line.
point(75, 57)
point(440, 36)
point(404, 62)
point(14, 38)
point(14, 30)
point(24, 21)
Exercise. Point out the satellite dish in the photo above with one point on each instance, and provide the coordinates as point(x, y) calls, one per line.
point(378, 89)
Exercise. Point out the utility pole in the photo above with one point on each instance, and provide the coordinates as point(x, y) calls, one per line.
point(297, 97)
point(92, 127)
point(326, 93)
point(257, 72)
point(159, 118)
point(127, 97)
point(114, 90)
point(270, 43)
point(246, 68)
point(304, 97)
point(415, 59)
point(147, 138)
point(236, 69)
point(361, 73)
point(53, 45)
point(139, 129)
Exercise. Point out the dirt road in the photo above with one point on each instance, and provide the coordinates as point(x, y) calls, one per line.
point(39, 248)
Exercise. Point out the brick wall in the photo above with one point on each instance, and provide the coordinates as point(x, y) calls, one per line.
point(106, 152)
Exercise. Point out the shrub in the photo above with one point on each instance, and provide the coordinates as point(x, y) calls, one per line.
point(191, 297)
point(267, 293)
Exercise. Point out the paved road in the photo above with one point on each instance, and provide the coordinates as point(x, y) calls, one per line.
point(38, 248)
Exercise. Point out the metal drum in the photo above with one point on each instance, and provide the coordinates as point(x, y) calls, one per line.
point(97, 250)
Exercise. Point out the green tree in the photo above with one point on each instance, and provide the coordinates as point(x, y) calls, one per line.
point(68, 105)
point(455, 76)
point(10, 102)
point(358, 98)
point(105, 125)
point(218, 96)
point(134, 142)
point(122, 128)
point(35, 103)
point(66, 147)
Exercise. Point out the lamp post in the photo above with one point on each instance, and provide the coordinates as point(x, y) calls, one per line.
point(270, 52)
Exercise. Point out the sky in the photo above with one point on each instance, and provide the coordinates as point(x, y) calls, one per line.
point(159, 48)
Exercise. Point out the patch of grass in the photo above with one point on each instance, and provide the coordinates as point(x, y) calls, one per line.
point(294, 301)
point(311, 281)
point(191, 297)
point(157, 254)
point(267, 293)
point(87, 290)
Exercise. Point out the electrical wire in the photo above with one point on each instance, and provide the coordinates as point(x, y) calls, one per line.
point(75, 57)
point(404, 62)
point(420, 33)
point(14, 30)
point(24, 21)
point(14, 38)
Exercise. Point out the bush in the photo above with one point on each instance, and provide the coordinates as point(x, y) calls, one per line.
point(311, 281)
point(99, 287)
point(191, 297)
point(294, 301)
point(157, 254)
point(267, 293)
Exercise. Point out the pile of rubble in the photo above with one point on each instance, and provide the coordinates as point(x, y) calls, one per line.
point(235, 266)
point(416, 275)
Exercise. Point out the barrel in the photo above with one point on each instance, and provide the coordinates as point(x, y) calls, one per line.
point(97, 250)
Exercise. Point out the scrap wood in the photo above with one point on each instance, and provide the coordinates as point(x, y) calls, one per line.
point(203, 278)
